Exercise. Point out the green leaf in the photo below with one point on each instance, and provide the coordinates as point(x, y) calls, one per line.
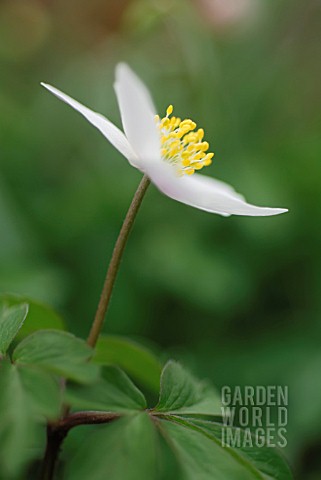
point(135, 359)
point(39, 316)
point(198, 448)
point(123, 450)
point(58, 352)
point(174, 446)
point(11, 320)
point(181, 393)
point(26, 395)
point(266, 460)
point(114, 391)
point(43, 389)
point(145, 446)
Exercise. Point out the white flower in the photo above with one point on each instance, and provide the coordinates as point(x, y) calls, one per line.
point(167, 150)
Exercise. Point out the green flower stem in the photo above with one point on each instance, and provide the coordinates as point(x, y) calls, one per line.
point(115, 262)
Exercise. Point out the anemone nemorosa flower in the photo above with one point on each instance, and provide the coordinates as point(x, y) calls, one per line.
point(168, 150)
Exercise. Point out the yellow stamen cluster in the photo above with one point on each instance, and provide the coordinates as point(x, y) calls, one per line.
point(182, 145)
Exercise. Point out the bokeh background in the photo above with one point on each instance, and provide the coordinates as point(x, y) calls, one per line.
point(238, 299)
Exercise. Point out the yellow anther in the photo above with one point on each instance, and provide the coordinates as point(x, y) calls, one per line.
point(174, 148)
point(200, 134)
point(163, 152)
point(198, 166)
point(181, 145)
point(188, 122)
point(181, 132)
point(199, 156)
point(207, 160)
point(169, 110)
point(190, 138)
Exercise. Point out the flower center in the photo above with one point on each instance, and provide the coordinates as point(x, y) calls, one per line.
point(181, 144)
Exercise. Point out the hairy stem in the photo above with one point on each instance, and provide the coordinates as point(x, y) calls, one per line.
point(85, 418)
point(56, 433)
point(115, 262)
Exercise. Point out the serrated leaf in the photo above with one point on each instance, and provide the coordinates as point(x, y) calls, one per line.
point(123, 450)
point(114, 391)
point(181, 393)
point(137, 360)
point(26, 395)
point(40, 316)
point(200, 453)
point(11, 320)
point(58, 352)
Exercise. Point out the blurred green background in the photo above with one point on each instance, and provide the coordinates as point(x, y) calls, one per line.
point(238, 299)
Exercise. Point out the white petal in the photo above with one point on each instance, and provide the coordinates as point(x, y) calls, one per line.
point(224, 188)
point(204, 193)
point(115, 136)
point(137, 113)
